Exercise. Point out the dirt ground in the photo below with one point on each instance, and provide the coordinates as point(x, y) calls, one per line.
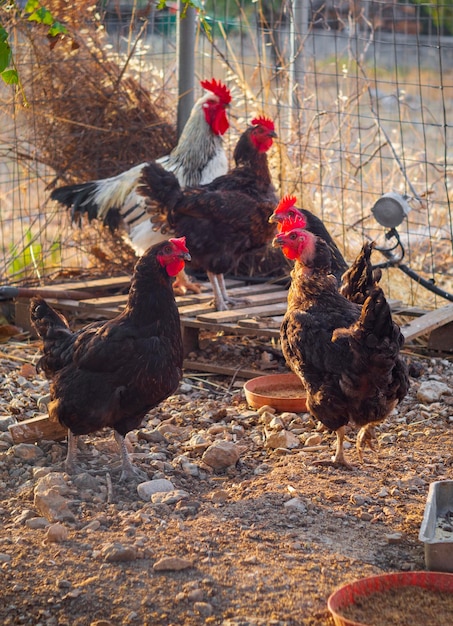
point(264, 541)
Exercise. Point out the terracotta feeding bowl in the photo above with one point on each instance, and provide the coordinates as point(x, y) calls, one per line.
point(283, 392)
point(404, 598)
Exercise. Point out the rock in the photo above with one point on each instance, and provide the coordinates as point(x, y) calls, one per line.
point(393, 538)
point(313, 440)
point(219, 496)
point(296, 504)
point(37, 523)
point(203, 608)
point(5, 422)
point(169, 497)
point(282, 439)
point(172, 564)
point(56, 533)
point(221, 454)
point(49, 498)
point(5, 558)
point(431, 391)
point(118, 553)
point(28, 452)
point(147, 489)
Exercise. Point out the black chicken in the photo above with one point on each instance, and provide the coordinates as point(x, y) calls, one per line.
point(226, 218)
point(112, 373)
point(347, 355)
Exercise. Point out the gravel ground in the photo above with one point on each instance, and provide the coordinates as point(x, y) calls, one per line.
point(236, 531)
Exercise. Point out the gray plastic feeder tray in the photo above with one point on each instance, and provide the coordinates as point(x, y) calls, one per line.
point(438, 543)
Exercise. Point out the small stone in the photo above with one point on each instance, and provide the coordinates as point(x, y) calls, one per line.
point(28, 452)
point(432, 391)
point(393, 538)
point(172, 564)
point(282, 439)
point(5, 558)
point(221, 454)
point(296, 504)
point(147, 489)
point(203, 608)
point(56, 533)
point(169, 497)
point(313, 440)
point(219, 496)
point(37, 523)
point(118, 553)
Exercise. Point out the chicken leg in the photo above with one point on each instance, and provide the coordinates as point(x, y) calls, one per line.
point(221, 297)
point(365, 438)
point(338, 460)
point(128, 468)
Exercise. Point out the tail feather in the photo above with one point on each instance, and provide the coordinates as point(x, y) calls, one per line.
point(44, 318)
point(159, 185)
point(99, 197)
point(79, 198)
point(360, 279)
point(55, 333)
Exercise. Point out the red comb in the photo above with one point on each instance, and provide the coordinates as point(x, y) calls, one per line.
point(286, 203)
point(218, 89)
point(179, 242)
point(262, 120)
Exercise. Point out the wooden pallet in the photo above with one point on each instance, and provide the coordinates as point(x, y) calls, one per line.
point(261, 316)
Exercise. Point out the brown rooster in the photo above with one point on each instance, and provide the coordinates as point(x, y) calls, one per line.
point(112, 373)
point(226, 218)
point(198, 158)
point(347, 355)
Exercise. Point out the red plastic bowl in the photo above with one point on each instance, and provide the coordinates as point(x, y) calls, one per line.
point(349, 594)
point(270, 390)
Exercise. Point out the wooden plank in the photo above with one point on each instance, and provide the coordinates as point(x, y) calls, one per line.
point(428, 322)
point(191, 322)
point(441, 338)
point(260, 306)
point(201, 366)
point(97, 283)
point(36, 429)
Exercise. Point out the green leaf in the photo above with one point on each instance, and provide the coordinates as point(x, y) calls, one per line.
point(31, 6)
point(5, 55)
point(57, 28)
point(3, 35)
point(10, 77)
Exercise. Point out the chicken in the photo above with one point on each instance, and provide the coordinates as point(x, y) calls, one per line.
point(226, 218)
point(198, 158)
point(112, 373)
point(286, 214)
point(347, 355)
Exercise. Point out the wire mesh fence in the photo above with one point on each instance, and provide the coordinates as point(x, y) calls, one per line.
point(361, 93)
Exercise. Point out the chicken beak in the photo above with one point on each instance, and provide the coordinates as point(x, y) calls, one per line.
point(277, 241)
point(273, 219)
point(185, 256)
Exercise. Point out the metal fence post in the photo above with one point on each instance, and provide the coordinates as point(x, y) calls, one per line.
point(185, 43)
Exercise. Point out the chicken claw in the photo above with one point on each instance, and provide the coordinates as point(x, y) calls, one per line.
point(365, 438)
point(183, 284)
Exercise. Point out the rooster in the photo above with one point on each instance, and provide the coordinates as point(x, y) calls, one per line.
point(226, 218)
point(347, 355)
point(288, 216)
point(198, 158)
point(112, 373)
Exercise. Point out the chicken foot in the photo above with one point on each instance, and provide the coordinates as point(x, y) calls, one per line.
point(183, 284)
point(365, 438)
point(338, 460)
point(128, 468)
point(221, 297)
